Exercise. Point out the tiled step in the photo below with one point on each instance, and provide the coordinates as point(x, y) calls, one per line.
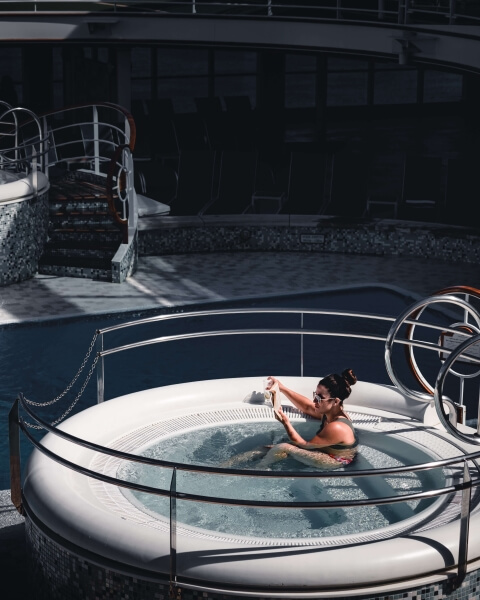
point(77, 207)
point(77, 261)
point(66, 189)
point(83, 221)
point(78, 245)
point(85, 272)
point(82, 237)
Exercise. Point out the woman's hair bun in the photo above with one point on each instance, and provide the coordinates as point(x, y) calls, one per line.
point(349, 376)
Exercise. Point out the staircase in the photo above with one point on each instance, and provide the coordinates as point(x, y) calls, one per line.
point(92, 220)
point(83, 236)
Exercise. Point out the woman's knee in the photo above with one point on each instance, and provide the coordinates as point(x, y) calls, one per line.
point(281, 450)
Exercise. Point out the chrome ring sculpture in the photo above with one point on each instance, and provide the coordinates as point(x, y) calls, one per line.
point(458, 350)
point(438, 395)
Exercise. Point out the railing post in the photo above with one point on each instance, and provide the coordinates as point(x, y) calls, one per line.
point(34, 171)
point(100, 370)
point(464, 525)
point(128, 131)
point(339, 9)
point(381, 10)
point(451, 16)
point(174, 590)
point(15, 462)
point(401, 11)
point(96, 140)
point(301, 345)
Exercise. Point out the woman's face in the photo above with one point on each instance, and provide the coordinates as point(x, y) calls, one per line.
point(322, 400)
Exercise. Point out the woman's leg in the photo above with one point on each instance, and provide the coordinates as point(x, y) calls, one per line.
point(319, 460)
point(276, 453)
point(310, 458)
point(244, 457)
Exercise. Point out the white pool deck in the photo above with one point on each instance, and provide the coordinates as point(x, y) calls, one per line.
point(193, 278)
point(190, 278)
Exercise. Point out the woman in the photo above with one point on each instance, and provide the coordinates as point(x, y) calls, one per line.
point(335, 443)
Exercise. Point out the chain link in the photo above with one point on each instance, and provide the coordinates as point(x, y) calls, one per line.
point(72, 406)
point(71, 384)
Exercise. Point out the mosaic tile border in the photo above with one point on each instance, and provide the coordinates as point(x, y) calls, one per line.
point(378, 238)
point(23, 233)
point(57, 573)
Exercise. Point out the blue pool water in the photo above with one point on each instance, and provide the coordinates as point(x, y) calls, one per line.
point(40, 359)
point(216, 445)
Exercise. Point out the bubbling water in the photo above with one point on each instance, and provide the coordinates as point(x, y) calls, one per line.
point(217, 445)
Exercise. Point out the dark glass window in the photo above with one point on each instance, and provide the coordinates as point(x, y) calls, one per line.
point(182, 76)
point(11, 67)
point(394, 84)
point(347, 81)
point(235, 74)
point(440, 86)
point(300, 80)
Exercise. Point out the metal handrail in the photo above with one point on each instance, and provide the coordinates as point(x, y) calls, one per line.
point(445, 462)
point(288, 475)
point(399, 12)
point(101, 333)
point(29, 146)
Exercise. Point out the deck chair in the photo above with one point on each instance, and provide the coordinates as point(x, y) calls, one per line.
point(422, 194)
point(190, 133)
point(156, 180)
point(348, 187)
point(161, 130)
point(384, 184)
point(306, 183)
point(462, 189)
point(195, 182)
point(236, 183)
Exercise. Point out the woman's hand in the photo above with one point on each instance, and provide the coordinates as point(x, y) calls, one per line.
point(281, 417)
point(273, 381)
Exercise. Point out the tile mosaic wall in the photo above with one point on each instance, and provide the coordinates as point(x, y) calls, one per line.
point(23, 232)
point(124, 263)
point(59, 574)
point(322, 235)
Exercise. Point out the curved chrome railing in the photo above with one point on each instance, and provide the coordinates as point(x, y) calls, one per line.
point(466, 460)
point(23, 144)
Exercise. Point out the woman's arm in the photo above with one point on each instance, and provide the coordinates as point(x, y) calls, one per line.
point(291, 432)
point(301, 402)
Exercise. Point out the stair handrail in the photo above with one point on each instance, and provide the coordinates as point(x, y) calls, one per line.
point(120, 179)
point(117, 166)
point(29, 149)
